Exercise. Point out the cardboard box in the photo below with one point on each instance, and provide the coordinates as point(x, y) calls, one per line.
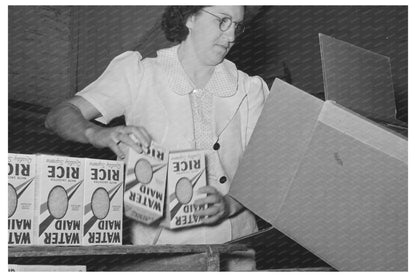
point(59, 200)
point(357, 79)
point(360, 80)
point(21, 198)
point(186, 174)
point(144, 195)
point(330, 179)
point(103, 202)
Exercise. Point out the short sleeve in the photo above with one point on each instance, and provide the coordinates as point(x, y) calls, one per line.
point(112, 93)
point(257, 94)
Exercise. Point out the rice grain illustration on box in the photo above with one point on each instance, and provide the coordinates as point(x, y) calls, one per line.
point(103, 202)
point(59, 192)
point(186, 174)
point(145, 187)
point(21, 198)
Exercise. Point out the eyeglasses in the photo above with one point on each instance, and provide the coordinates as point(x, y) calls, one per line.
point(226, 22)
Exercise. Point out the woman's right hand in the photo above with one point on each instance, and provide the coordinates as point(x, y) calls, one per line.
point(133, 136)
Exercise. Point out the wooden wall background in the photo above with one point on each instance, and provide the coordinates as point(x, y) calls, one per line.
point(40, 54)
point(56, 51)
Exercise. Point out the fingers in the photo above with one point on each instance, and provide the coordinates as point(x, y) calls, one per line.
point(135, 137)
point(116, 149)
point(210, 211)
point(213, 196)
point(208, 190)
point(140, 134)
point(210, 215)
point(210, 199)
point(215, 205)
point(130, 142)
point(211, 219)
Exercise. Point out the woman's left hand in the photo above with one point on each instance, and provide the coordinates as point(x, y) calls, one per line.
point(218, 207)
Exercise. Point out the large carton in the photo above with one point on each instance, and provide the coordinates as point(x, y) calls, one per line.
point(186, 175)
point(59, 200)
point(144, 194)
point(21, 198)
point(103, 202)
point(330, 179)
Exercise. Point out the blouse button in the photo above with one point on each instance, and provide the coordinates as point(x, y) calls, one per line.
point(223, 179)
point(216, 146)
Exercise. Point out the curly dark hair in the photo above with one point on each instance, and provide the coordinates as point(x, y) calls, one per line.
point(174, 21)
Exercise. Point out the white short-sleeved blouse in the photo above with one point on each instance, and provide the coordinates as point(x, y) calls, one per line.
point(156, 93)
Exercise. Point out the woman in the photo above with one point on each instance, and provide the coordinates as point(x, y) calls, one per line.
point(188, 97)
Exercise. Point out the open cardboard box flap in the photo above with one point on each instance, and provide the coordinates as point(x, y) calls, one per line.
point(330, 179)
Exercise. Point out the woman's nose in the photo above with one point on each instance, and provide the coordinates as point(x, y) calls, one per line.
point(230, 33)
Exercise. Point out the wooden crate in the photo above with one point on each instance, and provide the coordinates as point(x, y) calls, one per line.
point(127, 257)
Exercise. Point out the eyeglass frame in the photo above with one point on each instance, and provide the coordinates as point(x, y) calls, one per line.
point(221, 21)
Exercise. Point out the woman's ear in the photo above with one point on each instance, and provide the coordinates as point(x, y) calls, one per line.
point(190, 22)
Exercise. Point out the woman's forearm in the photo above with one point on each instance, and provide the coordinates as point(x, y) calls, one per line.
point(67, 121)
point(71, 121)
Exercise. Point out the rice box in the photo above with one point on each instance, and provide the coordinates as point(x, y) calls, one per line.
point(186, 174)
point(144, 194)
point(21, 198)
point(59, 193)
point(46, 268)
point(103, 202)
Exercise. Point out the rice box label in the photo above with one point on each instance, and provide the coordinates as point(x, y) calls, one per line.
point(59, 192)
point(21, 198)
point(144, 194)
point(45, 268)
point(186, 174)
point(103, 202)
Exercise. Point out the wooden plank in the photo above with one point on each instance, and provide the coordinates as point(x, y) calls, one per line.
point(301, 269)
point(188, 262)
point(135, 262)
point(213, 260)
point(43, 251)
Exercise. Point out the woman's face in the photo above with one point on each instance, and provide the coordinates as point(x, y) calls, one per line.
point(210, 44)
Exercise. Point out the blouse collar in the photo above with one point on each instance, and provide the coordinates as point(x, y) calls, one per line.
point(223, 82)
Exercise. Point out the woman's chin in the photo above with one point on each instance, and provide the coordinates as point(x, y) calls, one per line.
point(218, 57)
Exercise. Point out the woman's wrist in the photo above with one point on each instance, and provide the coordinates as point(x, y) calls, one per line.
point(89, 133)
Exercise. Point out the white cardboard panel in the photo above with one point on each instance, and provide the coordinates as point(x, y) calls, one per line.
point(262, 177)
point(331, 180)
point(357, 78)
point(348, 204)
